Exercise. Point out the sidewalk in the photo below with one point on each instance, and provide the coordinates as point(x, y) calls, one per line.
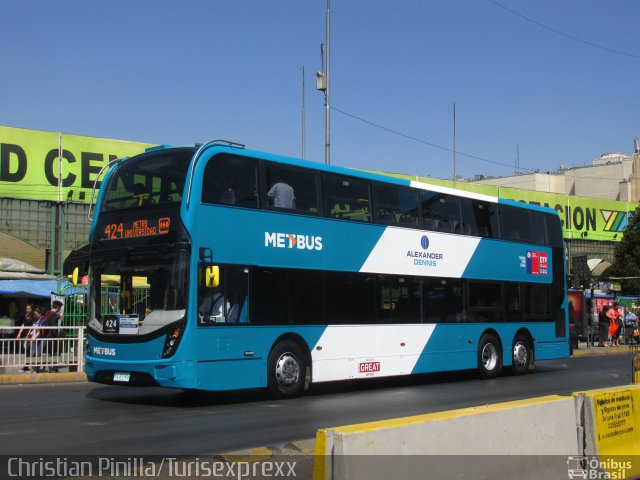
point(582, 350)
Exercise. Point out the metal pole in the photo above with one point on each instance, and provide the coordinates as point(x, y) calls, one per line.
point(62, 239)
point(454, 144)
point(59, 215)
point(59, 167)
point(52, 241)
point(591, 311)
point(302, 113)
point(327, 133)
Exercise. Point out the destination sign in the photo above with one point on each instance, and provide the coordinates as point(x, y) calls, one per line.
point(142, 227)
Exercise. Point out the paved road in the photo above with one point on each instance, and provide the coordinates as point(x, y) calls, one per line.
point(85, 418)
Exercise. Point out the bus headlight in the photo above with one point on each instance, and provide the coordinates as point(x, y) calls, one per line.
point(172, 341)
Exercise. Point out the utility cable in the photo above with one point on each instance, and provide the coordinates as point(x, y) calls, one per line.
point(567, 35)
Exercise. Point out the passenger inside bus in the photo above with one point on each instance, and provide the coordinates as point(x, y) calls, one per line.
point(228, 197)
point(213, 307)
point(281, 195)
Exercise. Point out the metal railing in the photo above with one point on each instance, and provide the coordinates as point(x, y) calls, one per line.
point(55, 348)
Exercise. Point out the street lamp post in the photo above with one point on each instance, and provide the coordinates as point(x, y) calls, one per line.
point(322, 84)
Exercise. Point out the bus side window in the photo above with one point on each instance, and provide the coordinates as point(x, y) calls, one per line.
point(515, 224)
point(441, 212)
point(346, 197)
point(444, 300)
point(291, 188)
point(236, 291)
point(484, 215)
point(539, 227)
point(231, 180)
point(395, 205)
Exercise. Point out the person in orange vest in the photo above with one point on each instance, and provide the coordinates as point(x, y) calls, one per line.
point(614, 314)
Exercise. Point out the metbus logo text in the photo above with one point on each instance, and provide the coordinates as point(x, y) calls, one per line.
point(292, 240)
point(104, 351)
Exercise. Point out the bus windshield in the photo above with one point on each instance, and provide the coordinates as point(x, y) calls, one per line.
point(150, 290)
point(155, 178)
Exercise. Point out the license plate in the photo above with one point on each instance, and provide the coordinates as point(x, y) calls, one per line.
point(121, 377)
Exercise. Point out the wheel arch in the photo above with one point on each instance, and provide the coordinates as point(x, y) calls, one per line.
point(294, 337)
point(492, 331)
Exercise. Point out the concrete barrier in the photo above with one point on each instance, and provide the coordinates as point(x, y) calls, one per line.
point(592, 435)
point(610, 429)
point(537, 435)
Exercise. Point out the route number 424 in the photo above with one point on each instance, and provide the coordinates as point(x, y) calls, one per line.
point(114, 230)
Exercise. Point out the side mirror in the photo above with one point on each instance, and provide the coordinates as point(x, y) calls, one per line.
point(212, 276)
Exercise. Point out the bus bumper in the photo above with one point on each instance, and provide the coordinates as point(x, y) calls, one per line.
point(176, 375)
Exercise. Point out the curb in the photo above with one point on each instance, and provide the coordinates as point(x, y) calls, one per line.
point(600, 351)
point(35, 378)
point(250, 455)
point(307, 446)
point(261, 454)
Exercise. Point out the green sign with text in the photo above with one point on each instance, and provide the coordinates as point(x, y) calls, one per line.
point(30, 163)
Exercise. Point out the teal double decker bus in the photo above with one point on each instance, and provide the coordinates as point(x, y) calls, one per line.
point(264, 271)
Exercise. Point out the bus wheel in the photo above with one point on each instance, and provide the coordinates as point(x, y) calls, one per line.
point(521, 355)
point(287, 370)
point(489, 356)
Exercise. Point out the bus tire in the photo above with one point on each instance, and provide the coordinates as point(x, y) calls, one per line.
point(520, 354)
point(287, 370)
point(489, 356)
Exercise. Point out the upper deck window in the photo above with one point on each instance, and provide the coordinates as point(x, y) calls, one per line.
point(347, 198)
point(231, 180)
point(396, 205)
point(539, 227)
point(483, 221)
point(441, 212)
point(291, 188)
point(554, 230)
point(515, 224)
point(155, 178)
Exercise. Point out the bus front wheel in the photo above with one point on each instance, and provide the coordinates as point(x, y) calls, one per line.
point(489, 356)
point(286, 370)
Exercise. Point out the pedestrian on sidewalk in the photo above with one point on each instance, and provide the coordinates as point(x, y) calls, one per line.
point(630, 319)
point(603, 326)
point(614, 316)
point(34, 343)
point(25, 322)
point(53, 320)
point(633, 328)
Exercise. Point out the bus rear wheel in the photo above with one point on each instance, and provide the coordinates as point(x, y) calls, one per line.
point(489, 356)
point(521, 355)
point(286, 370)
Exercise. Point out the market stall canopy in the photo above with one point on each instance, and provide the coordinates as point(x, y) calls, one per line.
point(28, 288)
point(12, 269)
point(21, 280)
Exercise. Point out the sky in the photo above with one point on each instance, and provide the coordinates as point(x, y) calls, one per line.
point(553, 82)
